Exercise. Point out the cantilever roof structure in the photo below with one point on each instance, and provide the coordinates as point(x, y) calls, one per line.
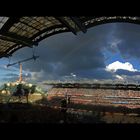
point(19, 32)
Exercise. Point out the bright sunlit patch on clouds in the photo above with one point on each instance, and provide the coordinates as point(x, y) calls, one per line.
point(113, 67)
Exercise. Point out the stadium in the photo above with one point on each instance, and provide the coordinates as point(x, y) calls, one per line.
point(61, 73)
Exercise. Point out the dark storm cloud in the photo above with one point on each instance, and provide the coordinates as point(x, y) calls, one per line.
point(14, 75)
point(96, 74)
point(13, 78)
point(126, 72)
point(10, 77)
point(66, 53)
point(130, 36)
point(82, 55)
point(11, 74)
point(5, 68)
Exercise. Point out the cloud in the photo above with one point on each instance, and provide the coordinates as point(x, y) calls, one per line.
point(113, 67)
point(126, 75)
point(127, 72)
point(11, 79)
point(11, 75)
point(99, 73)
point(113, 45)
point(119, 77)
point(83, 55)
point(8, 69)
point(129, 34)
point(66, 53)
point(123, 71)
point(14, 77)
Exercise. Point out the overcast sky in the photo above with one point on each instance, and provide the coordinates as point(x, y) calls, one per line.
point(109, 51)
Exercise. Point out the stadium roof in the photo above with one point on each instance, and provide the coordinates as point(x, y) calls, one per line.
point(19, 32)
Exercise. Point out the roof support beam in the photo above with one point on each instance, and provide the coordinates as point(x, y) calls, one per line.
point(79, 24)
point(9, 24)
point(5, 35)
point(46, 30)
point(63, 21)
point(17, 39)
point(21, 61)
point(29, 25)
point(47, 35)
point(5, 55)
